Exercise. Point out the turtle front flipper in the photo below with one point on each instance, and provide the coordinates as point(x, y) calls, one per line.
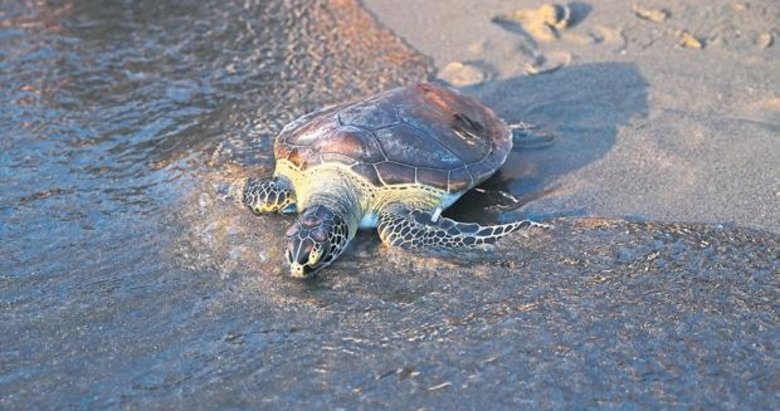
point(411, 228)
point(269, 195)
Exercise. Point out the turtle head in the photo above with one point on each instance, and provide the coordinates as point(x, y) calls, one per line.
point(314, 240)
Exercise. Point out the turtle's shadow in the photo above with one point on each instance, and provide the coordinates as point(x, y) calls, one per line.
point(582, 106)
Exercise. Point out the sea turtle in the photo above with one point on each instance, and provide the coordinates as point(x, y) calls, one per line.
point(393, 161)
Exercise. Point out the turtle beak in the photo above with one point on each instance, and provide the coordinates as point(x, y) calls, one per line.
point(302, 257)
point(301, 271)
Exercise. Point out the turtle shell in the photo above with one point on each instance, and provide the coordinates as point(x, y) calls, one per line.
point(424, 134)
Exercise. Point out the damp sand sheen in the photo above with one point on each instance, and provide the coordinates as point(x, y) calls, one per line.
point(132, 277)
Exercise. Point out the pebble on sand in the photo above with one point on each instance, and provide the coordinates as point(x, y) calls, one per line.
point(554, 15)
point(459, 74)
point(764, 40)
point(548, 63)
point(543, 23)
point(654, 15)
point(688, 40)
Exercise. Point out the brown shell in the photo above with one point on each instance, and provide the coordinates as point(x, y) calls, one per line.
point(426, 134)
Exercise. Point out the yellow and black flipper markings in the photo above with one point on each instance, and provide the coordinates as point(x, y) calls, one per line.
point(406, 227)
point(269, 195)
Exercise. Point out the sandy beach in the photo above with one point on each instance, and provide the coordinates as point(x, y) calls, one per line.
point(645, 126)
point(132, 277)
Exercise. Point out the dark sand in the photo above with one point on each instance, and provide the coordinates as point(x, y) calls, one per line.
point(130, 278)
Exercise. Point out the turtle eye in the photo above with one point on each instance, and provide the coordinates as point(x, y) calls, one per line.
point(315, 254)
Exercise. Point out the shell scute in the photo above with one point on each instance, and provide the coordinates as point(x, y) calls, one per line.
point(356, 143)
point(459, 179)
point(373, 114)
point(431, 177)
point(335, 157)
point(408, 145)
point(441, 117)
point(394, 173)
point(368, 171)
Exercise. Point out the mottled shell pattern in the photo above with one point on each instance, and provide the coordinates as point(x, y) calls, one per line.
point(424, 134)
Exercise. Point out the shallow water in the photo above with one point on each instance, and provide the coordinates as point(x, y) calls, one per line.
point(129, 276)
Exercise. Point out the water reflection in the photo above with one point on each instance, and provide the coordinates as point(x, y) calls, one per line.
point(112, 113)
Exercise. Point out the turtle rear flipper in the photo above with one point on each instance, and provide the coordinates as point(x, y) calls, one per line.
point(402, 226)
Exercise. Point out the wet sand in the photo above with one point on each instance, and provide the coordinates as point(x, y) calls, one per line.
point(131, 277)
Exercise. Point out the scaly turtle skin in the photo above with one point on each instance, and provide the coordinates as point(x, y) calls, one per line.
point(393, 161)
